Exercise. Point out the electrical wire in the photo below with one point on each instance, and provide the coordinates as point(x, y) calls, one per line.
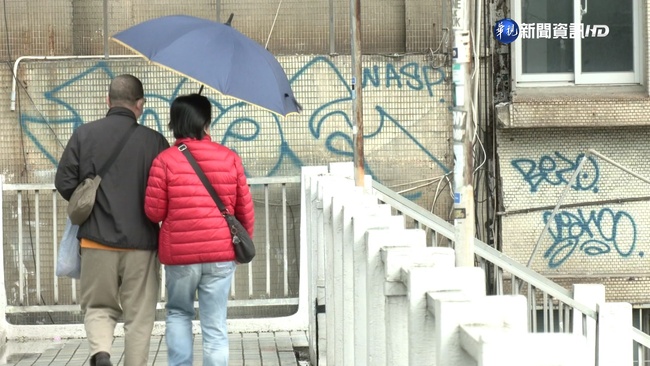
point(478, 147)
point(475, 118)
point(414, 182)
point(266, 46)
point(431, 53)
point(480, 144)
point(437, 195)
point(439, 191)
point(33, 103)
point(489, 137)
point(428, 183)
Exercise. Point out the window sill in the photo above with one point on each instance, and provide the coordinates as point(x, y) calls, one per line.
point(575, 106)
point(582, 92)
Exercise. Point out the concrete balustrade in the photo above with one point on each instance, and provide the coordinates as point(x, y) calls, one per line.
point(371, 217)
point(469, 281)
point(463, 308)
point(614, 333)
point(381, 296)
point(396, 293)
point(309, 235)
point(376, 301)
point(495, 346)
point(333, 233)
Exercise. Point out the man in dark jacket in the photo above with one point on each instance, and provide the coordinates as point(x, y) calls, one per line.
point(119, 264)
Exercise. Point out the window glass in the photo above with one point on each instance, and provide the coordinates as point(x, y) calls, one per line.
point(608, 44)
point(547, 46)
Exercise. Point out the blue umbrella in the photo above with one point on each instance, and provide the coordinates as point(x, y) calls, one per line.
point(215, 55)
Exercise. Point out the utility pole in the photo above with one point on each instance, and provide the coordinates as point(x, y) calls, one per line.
point(357, 95)
point(463, 131)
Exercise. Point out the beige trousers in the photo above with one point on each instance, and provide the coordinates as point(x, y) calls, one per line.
point(118, 284)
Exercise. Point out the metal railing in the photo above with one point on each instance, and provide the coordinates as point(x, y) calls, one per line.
point(550, 306)
point(34, 216)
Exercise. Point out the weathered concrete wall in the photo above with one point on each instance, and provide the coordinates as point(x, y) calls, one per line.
point(406, 115)
point(406, 97)
point(406, 104)
point(602, 237)
point(65, 27)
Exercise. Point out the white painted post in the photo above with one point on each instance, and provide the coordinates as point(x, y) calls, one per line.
point(343, 170)
point(331, 186)
point(376, 301)
point(501, 346)
point(335, 193)
point(352, 200)
point(318, 232)
point(343, 192)
point(3, 294)
point(451, 310)
point(308, 257)
point(337, 172)
point(372, 216)
point(591, 295)
point(491, 346)
point(396, 324)
point(325, 188)
point(337, 269)
point(419, 281)
point(397, 304)
point(614, 334)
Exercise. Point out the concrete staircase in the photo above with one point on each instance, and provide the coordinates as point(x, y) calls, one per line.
point(381, 296)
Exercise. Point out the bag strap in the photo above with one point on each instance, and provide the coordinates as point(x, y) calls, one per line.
point(183, 148)
point(117, 151)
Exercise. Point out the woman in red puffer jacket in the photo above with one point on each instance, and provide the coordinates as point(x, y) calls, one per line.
point(195, 243)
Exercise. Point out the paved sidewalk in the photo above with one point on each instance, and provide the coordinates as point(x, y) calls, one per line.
point(246, 349)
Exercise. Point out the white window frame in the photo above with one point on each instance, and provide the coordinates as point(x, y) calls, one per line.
point(578, 77)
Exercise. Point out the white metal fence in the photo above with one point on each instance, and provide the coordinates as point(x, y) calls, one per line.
point(34, 217)
point(550, 306)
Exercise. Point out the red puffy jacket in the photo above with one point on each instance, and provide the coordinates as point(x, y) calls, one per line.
point(193, 230)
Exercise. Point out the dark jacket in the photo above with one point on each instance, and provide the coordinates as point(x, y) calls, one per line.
point(118, 218)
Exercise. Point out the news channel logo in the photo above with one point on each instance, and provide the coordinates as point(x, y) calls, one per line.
point(506, 30)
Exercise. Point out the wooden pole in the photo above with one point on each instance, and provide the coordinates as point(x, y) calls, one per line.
point(357, 95)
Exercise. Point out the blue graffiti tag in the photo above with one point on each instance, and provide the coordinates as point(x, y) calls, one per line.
point(594, 235)
point(412, 75)
point(237, 128)
point(557, 170)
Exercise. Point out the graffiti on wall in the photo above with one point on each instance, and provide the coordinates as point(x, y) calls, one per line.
point(556, 170)
point(578, 232)
point(592, 233)
point(323, 124)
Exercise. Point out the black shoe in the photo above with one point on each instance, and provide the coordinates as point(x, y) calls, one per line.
point(101, 359)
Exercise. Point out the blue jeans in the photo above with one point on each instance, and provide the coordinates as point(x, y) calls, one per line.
point(212, 280)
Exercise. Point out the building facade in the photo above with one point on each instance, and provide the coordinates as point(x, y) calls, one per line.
point(576, 80)
point(577, 88)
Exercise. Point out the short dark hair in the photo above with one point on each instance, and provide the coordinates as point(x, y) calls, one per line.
point(125, 90)
point(189, 115)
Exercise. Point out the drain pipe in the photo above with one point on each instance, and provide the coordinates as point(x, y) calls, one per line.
point(53, 58)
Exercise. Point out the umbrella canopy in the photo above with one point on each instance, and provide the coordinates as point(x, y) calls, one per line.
point(215, 55)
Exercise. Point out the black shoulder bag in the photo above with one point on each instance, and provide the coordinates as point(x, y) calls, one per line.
point(244, 246)
point(82, 200)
